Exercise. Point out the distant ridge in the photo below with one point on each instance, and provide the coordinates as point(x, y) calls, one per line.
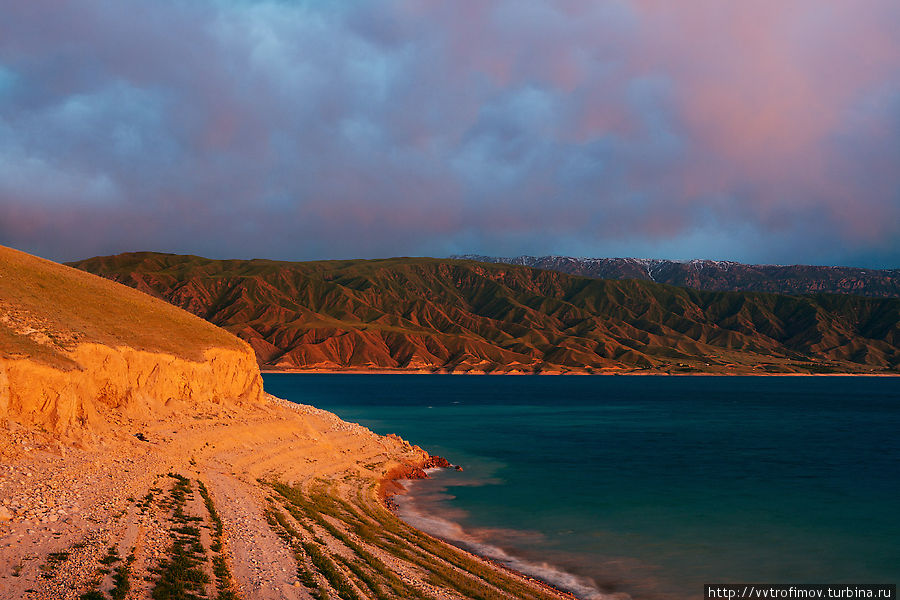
point(426, 314)
point(719, 276)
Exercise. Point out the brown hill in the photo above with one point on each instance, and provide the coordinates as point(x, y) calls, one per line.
point(721, 276)
point(455, 315)
point(77, 350)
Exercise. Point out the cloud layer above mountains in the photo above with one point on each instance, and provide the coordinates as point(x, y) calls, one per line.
point(765, 131)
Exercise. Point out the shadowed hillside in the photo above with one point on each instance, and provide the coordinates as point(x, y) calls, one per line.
point(429, 314)
point(721, 276)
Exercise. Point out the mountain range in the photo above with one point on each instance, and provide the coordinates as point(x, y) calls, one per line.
point(720, 276)
point(425, 314)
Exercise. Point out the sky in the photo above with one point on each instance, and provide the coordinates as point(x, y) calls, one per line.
point(763, 131)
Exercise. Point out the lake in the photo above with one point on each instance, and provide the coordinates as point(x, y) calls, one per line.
point(646, 487)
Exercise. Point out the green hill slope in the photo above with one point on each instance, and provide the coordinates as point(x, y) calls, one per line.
point(422, 313)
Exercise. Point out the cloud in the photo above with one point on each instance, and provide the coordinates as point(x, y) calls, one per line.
point(764, 131)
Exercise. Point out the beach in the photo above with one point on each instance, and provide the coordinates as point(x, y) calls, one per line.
point(64, 507)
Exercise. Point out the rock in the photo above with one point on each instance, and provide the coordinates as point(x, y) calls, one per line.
point(5, 514)
point(436, 461)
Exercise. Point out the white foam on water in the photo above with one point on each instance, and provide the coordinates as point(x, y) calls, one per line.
point(453, 532)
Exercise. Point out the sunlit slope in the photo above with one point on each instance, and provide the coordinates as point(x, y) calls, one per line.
point(47, 308)
point(421, 313)
point(78, 351)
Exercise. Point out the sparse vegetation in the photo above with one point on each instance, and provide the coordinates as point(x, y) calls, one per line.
point(181, 576)
point(369, 527)
point(146, 502)
point(50, 566)
point(68, 307)
point(292, 537)
point(112, 556)
point(121, 579)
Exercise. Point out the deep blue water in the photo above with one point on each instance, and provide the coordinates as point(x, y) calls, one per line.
point(649, 486)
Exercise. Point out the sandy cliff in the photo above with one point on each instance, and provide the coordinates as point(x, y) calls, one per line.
point(109, 384)
point(78, 353)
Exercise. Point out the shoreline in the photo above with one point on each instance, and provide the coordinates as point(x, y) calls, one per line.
point(394, 486)
point(560, 373)
point(269, 470)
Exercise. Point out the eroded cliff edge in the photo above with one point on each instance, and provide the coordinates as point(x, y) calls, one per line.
point(79, 353)
point(110, 384)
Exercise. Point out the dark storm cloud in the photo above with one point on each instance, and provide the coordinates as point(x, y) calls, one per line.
point(765, 131)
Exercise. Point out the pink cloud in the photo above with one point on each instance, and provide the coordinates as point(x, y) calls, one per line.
point(540, 120)
point(763, 87)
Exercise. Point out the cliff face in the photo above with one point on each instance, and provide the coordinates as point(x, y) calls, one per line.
point(78, 352)
point(115, 383)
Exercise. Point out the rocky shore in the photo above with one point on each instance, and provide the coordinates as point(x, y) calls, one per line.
point(64, 509)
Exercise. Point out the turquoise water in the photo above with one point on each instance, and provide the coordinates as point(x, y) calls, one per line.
point(647, 487)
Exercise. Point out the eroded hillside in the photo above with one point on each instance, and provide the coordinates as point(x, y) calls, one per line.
point(454, 315)
point(78, 353)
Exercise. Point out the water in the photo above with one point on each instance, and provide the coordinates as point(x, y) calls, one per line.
point(647, 487)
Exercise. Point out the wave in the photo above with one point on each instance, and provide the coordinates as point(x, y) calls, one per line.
point(476, 541)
